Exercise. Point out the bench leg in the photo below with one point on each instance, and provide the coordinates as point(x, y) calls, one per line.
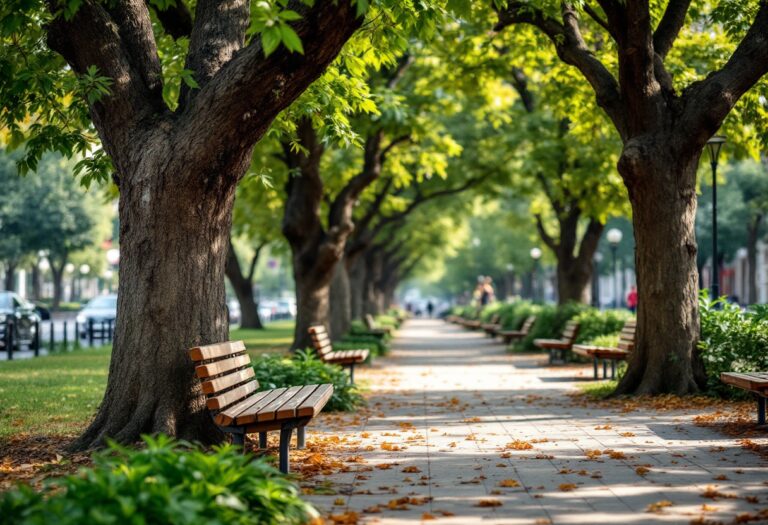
point(352, 373)
point(238, 439)
point(285, 441)
point(262, 440)
point(300, 437)
point(595, 367)
point(551, 356)
point(613, 369)
point(605, 369)
point(760, 410)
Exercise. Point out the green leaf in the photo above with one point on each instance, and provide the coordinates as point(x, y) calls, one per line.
point(290, 39)
point(270, 39)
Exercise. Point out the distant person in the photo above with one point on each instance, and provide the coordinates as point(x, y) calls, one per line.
point(430, 309)
point(486, 294)
point(632, 299)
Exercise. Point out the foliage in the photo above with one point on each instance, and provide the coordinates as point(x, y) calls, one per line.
point(732, 341)
point(594, 323)
point(387, 321)
point(303, 368)
point(377, 345)
point(167, 482)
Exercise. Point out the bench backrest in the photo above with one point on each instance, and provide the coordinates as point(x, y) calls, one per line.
point(528, 324)
point(225, 373)
point(627, 336)
point(570, 331)
point(321, 341)
point(495, 319)
point(370, 322)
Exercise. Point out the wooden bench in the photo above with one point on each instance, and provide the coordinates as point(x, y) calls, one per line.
point(613, 354)
point(560, 346)
point(321, 342)
point(228, 380)
point(374, 328)
point(492, 327)
point(755, 382)
point(516, 335)
point(471, 324)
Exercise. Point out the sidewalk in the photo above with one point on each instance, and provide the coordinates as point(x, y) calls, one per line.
point(459, 431)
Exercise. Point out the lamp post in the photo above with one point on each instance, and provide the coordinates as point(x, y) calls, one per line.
point(598, 258)
point(535, 255)
point(614, 237)
point(713, 147)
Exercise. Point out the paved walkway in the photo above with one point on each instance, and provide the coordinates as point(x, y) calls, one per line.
point(460, 431)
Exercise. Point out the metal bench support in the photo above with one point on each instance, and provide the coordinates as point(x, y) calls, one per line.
point(760, 409)
point(262, 440)
point(300, 437)
point(285, 441)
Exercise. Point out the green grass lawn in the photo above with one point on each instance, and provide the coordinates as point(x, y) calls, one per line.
point(58, 394)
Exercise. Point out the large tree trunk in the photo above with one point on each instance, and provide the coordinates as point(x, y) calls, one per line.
point(10, 276)
point(312, 299)
point(573, 281)
point(665, 359)
point(340, 296)
point(356, 271)
point(243, 288)
point(753, 235)
point(57, 272)
point(172, 273)
point(35, 275)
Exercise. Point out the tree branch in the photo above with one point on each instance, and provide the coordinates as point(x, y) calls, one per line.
point(175, 18)
point(708, 102)
point(600, 21)
point(399, 71)
point(572, 49)
point(254, 261)
point(545, 237)
point(240, 102)
point(669, 26)
point(122, 48)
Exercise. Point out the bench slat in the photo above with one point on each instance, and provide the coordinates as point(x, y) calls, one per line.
point(269, 412)
point(755, 381)
point(314, 403)
point(219, 367)
point(288, 410)
point(231, 396)
point(202, 353)
point(228, 416)
point(220, 383)
point(249, 414)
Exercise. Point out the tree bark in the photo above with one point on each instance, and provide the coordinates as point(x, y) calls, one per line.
point(35, 276)
point(10, 276)
point(665, 358)
point(243, 288)
point(341, 301)
point(357, 280)
point(753, 235)
point(57, 272)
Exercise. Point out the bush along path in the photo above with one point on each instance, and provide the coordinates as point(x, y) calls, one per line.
point(458, 431)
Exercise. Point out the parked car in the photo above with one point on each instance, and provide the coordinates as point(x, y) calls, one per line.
point(285, 310)
point(101, 309)
point(19, 321)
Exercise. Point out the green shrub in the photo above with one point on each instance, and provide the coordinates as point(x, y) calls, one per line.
point(607, 340)
point(165, 483)
point(550, 321)
point(377, 345)
point(386, 321)
point(275, 371)
point(732, 341)
point(594, 323)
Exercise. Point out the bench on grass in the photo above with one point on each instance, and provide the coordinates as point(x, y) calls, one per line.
point(560, 346)
point(755, 382)
point(516, 335)
point(323, 347)
point(492, 327)
point(228, 380)
point(374, 328)
point(613, 354)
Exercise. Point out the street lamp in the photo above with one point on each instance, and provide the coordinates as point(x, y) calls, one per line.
point(535, 255)
point(614, 237)
point(598, 258)
point(713, 147)
point(510, 279)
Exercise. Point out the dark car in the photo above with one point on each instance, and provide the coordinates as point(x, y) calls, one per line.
point(19, 322)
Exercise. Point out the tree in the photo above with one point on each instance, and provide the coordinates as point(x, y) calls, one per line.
point(177, 157)
point(664, 125)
